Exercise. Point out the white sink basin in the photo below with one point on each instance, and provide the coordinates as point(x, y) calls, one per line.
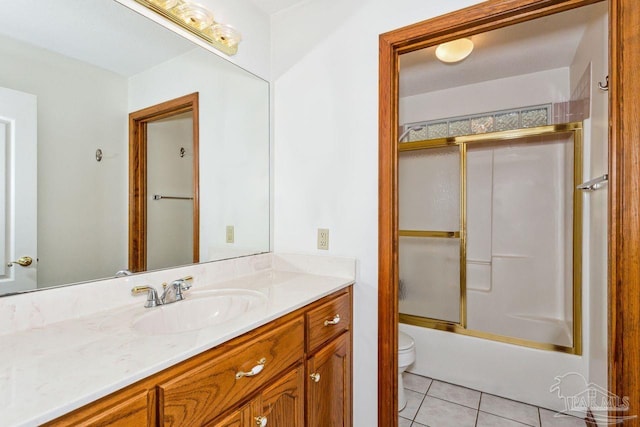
point(199, 310)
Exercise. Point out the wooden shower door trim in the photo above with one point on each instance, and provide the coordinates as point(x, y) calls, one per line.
point(138, 121)
point(624, 203)
point(624, 187)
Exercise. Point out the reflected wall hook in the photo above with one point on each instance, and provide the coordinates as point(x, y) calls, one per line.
point(604, 87)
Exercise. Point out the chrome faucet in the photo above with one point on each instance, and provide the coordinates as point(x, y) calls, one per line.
point(172, 293)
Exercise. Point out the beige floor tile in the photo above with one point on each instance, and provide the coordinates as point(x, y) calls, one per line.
point(490, 420)
point(414, 399)
point(440, 413)
point(403, 422)
point(549, 419)
point(510, 409)
point(456, 394)
point(416, 382)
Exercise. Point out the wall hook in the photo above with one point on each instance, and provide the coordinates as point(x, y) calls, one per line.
point(98, 155)
point(604, 87)
point(182, 151)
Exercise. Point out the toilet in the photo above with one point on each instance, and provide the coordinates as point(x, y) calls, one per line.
point(406, 356)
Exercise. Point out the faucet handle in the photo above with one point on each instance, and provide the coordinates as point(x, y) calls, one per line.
point(186, 282)
point(152, 295)
point(182, 284)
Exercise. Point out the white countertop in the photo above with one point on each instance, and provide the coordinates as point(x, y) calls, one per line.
point(48, 371)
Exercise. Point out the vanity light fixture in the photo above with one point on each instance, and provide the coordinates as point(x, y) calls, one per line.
point(454, 51)
point(198, 20)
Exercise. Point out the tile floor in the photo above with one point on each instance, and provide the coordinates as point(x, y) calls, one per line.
point(432, 403)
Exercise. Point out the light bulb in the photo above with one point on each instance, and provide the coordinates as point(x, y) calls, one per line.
point(454, 51)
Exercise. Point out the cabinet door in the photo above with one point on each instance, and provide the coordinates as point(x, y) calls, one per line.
point(236, 418)
point(282, 403)
point(329, 384)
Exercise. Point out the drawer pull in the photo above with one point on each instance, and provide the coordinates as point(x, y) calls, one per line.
point(333, 321)
point(315, 377)
point(261, 421)
point(254, 371)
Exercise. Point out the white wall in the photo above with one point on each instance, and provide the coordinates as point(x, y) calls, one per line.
point(325, 83)
point(234, 146)
point(251, 21)
point(532, 89)
point(593, 49)
point(81, 221)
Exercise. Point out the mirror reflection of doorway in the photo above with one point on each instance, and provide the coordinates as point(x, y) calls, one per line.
point(163, 185)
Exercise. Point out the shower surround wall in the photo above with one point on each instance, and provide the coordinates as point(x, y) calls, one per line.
point(520, 240)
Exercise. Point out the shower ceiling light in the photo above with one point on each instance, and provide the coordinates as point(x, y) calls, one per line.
point(454, 51)
point(198, 20)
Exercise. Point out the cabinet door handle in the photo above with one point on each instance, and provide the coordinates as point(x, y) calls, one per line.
point(315, 377)
point(261, 421)
point(334, 321)
point(254, 371)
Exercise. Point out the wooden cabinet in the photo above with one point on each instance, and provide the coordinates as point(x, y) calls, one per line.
point(133, 406)
point(294, 371)
point(280, 404)
point(329, 363)
point(200, 394)
point(329, 384)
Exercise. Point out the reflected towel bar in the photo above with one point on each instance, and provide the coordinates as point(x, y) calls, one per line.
point(158, 197)
point(594, 184)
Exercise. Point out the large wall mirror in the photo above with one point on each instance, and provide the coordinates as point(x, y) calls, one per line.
point(72, 72)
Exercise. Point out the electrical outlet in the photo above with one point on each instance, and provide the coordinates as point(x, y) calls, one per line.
point(323, 238)
point(230, 232)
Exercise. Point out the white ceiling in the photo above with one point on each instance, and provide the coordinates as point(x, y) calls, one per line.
point(101, 32)
point(274, 6)
point(109, 35)
point(533, 46)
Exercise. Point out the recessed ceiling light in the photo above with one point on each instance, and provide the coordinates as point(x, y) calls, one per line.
point(454, 51)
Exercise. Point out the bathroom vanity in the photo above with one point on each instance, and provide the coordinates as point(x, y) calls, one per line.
point(286, 362)
point(258, 377)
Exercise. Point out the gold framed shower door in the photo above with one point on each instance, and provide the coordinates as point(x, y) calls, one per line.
point(576, 130)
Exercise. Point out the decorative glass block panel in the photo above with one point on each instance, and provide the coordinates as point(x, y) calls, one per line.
point(418, 135)
point(430, 278)
point(493, 121)
point(533, 118)
point(429, 189)
point(507, 121)
point(460, 127)
point(438, 130)
point(482, 124)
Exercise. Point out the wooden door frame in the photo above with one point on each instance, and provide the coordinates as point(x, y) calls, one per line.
point(624, 179)
point(138, 121)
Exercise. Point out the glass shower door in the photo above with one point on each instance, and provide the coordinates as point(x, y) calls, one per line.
point(430, 242)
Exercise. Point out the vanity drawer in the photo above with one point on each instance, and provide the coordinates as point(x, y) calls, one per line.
point(202, 393)
point(328, 320)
